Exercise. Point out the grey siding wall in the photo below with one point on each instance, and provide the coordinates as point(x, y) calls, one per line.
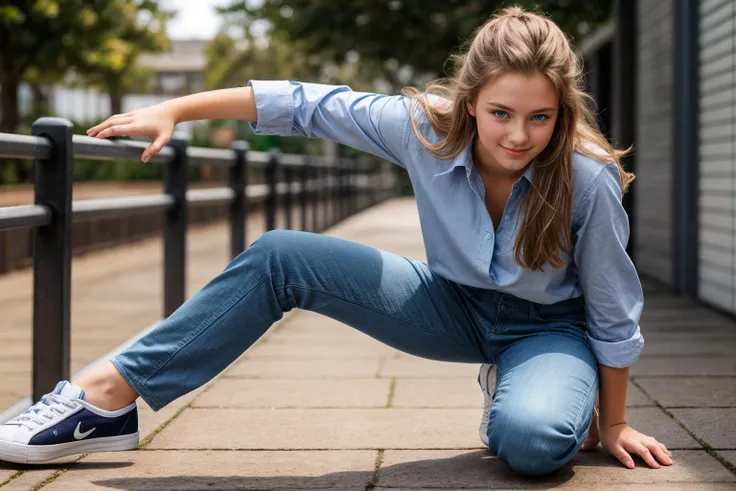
point(653, 147)
point(717, 115)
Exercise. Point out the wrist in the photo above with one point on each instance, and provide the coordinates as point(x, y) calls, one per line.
point(604, 425)
point(173, 108)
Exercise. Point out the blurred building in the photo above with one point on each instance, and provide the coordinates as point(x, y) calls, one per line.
point(664, 77)
point(176, 72)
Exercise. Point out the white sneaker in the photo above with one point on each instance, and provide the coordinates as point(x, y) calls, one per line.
point(484, 379)
point(62, 423)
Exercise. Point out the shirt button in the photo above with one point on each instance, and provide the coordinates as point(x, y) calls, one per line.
point(488, 236)
point(507, 217)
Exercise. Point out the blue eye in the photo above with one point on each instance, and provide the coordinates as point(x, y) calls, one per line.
point(500, 114)
point(544, 117)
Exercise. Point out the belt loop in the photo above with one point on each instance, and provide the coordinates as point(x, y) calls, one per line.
point(532, 310)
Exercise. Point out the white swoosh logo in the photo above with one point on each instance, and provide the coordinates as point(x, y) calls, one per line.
point(81, 436)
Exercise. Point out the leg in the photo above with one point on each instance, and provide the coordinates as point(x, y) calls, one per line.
point(393, 299)
point(546, 387)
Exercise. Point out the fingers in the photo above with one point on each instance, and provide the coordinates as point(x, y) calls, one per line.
point(154, 148)
point(660, 452)
point(623, 457)
point(118, 119)
point(643, 452)
point(653, 453)
point(121, 130)
point(669, 454)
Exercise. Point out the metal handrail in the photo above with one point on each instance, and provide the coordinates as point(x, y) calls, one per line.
point(288, 177)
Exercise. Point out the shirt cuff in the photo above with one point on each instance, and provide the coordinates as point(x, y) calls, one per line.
point(618, 354)
point(274, 107)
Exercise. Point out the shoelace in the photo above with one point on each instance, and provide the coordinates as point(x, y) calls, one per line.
point(49, 404)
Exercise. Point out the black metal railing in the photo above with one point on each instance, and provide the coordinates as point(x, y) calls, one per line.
point(334, 188)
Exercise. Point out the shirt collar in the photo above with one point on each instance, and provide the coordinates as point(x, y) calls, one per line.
point(465, 159)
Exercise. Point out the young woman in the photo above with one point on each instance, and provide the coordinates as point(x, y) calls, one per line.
point(520, 204)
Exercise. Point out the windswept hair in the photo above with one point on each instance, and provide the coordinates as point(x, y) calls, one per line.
point(516, 40)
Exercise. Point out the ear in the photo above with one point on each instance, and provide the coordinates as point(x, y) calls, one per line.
point(471, 109)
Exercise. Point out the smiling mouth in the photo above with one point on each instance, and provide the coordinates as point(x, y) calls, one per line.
point(523, 150)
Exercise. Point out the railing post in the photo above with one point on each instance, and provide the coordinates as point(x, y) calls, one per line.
point(333, 193)
point(377, 181)
point(354, 190)
point(340, 189)
point(238, 181)
point(272, 182)
point(314, 174)
point(347, 172)
point(289, 197)
point(304, 177)
point(52, 259)
point(175, 229)
point(328, 196)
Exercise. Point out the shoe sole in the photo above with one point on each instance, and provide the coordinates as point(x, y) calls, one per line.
point(40, 454)
point(483, 382)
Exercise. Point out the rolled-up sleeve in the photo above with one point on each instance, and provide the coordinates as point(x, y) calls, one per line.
point(374, 123)
point(613, 295)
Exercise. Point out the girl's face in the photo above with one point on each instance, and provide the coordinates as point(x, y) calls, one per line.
point(515, 115)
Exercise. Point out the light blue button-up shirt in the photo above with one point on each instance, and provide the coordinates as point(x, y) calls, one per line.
point(459, 236)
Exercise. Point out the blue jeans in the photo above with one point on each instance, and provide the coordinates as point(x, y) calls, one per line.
point(546, 373)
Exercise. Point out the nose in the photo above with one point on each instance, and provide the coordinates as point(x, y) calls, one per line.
point(518, 135)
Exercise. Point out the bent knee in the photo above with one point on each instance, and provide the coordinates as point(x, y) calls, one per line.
point(531, 443)
point(274, 244)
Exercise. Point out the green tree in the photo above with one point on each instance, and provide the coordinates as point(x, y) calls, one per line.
point(402, 33)
point(42, 40)
point(140, 27)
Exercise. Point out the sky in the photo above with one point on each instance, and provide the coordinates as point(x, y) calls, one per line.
point(195, 19)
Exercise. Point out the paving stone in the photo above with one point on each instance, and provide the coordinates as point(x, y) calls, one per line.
point(206, 470)
point(284, 347)
point(716, 426)
point(689, 337)
point(6, 471)
point(695, 392)
point(437, 392)
point(412, 366)
point(318, 326)
point(288, 393)
point(304, 368)
point(344, 333)
point(452, 469)
point(705, 366)
point(31, 478)
point(668, 302)
point(116, 294)
point(729, 456)
point(684, 348)
point(278, 429)
point(683, 325)
point(672, 309)
point(637, 398)
point(655, 423)
point(465, 392)
point(604, 487)
point(148, 422)
point(676, 316)
point(323, 329)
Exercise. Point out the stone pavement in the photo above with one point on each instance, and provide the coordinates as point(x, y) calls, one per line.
point(317, 405)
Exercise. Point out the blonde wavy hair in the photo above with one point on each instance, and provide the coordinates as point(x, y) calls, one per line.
point(516, 40)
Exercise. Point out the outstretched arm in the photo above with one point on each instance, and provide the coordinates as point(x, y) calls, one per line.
point(157, 122)
point(374, 123)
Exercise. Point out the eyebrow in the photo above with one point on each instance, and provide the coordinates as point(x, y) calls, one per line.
point(507, 108)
